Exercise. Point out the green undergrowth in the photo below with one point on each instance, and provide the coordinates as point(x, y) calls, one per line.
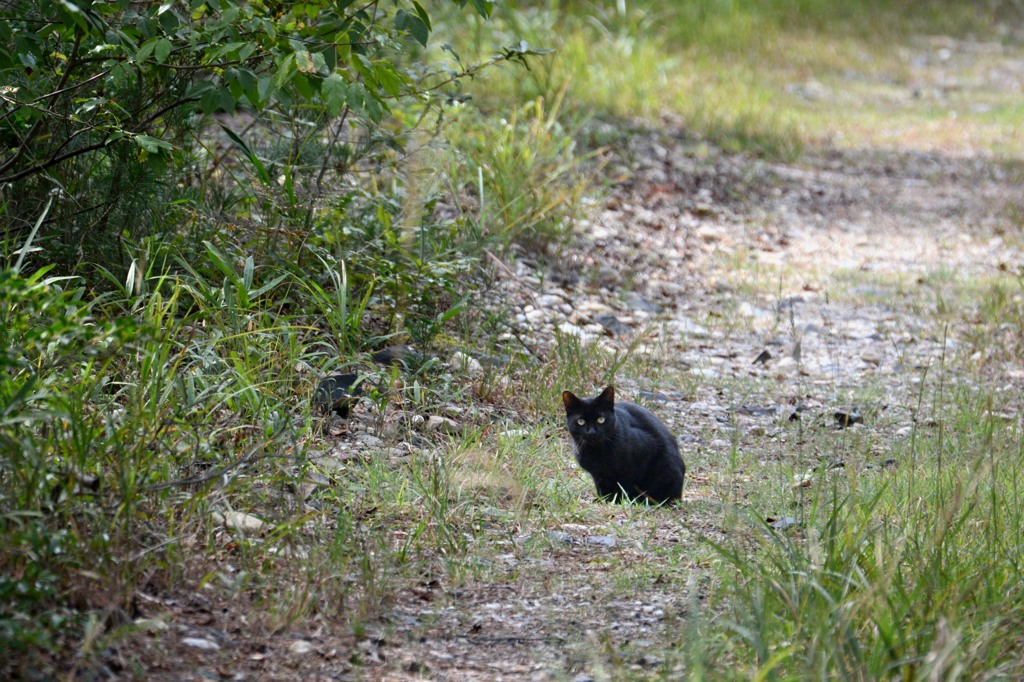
point(136, 403)
point(768, 77)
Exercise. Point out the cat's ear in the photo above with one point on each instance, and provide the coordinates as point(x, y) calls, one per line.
point(607, 396)
point(569, 400)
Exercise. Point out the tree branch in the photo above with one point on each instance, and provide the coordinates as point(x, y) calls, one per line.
point(34, 130)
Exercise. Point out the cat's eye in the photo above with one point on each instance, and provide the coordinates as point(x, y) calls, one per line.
point(581, 421)
point(600, 420)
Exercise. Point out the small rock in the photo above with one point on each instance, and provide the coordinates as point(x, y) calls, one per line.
point(549, 301)
point(537, 316)
point(648, 661)
point(437, 424)
point(786, 364)
point(595, 308)
point(757, 411)
point(559, 536)
point(685, 326)
point(570, 329)
point(398, 424)
point(708, 233)
point(613, 325)
point(608, 277)
point(871, 358)
point(240, 522)
point(637, 302)
point(151, 624)
point(300, 647)
point(465, 363)
point(803, 480)
point(781, 523)
point(666, 289)
point(369, 440)
point(200, 643)
point(600, 541)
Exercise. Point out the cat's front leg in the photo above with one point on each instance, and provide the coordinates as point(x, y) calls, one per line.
point(607, 490)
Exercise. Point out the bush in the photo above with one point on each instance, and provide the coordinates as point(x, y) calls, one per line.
point(109, 104)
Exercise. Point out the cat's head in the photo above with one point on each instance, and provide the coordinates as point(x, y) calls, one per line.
point(590, 419)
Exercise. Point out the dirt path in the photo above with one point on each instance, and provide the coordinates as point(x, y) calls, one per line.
point(821, 264)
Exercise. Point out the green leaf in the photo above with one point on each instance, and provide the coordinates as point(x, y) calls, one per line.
point(301, 84)
point(334, 90)
point(146, 50)
point(169, 19)
point(483, 7)
point(248, 271)
point(151, 144)
point(451, 50)
point(419, 30)
point(414, 25)
point(220, 261)
point(422, 14)
point(224, 50)
point(261, 171)
point(199, 89)
point(304, 61)
point(286, 71)
point(388, 78)
point(162, 50)
point(265, 89)
point(215, 97)
point(268, 286)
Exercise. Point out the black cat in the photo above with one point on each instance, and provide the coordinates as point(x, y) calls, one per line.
point(627, 451)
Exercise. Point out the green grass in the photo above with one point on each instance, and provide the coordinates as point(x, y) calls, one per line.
point(736, 72)
point(900, 573)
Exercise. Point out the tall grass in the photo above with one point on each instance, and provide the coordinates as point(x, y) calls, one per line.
point(912, 572)
point(733, 72)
